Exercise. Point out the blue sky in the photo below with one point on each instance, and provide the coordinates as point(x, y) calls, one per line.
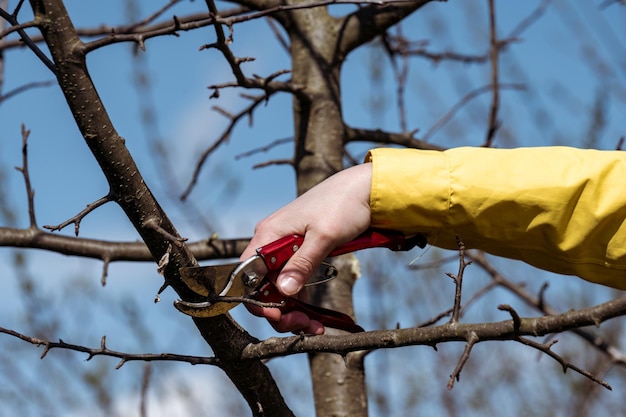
point(555, 58)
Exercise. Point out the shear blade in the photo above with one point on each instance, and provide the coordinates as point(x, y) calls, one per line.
point(207, 280)
point(205, 309)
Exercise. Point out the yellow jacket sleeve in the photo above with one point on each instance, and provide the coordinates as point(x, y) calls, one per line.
point(557, 208)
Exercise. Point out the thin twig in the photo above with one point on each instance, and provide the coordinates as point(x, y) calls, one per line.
point(398, 45)
point(106, 261)
point(607, 3)
point(464, 100)
point(540, 304)
point(104, 351)
point(545, 348)
point(273, 162)
point(145, 383)
point(458, 280)
point(493, 123)
point(24, 170)
point(12, 19)
point(213, 299)
point(234, 119)
point(265, 148)
point(154, 225)
point(78, 217)
point(517, 321)
point(23, 88)
point(530, 19)
point(472, 339)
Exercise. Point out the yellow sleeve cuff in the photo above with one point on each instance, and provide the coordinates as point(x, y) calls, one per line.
point(410, 190)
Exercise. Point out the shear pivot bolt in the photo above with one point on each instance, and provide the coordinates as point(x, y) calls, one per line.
point(252, 280)
point(295, 248)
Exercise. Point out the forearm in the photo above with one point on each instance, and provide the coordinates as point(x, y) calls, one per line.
point(560, 209)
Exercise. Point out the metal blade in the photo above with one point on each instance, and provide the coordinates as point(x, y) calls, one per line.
point(205, 309)
point(205, 280)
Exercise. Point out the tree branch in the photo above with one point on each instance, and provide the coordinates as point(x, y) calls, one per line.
point(22, 88)
point(368, 22)
point(539, 303)
point(77, 218)
point(206, 249)
point(234, 119)
point(545, 348)
point(103, 350)
point(30, 193)
point(388, 138)
point(458, 281)
point(449, 332)
point(130, 191)
point(472, 339)
point(466, 99)
point(12, 19)
point(493, 124)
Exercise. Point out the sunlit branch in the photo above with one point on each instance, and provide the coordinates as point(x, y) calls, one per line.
point(481, 332)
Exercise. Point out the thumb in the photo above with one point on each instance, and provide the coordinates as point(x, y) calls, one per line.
point(301, 266)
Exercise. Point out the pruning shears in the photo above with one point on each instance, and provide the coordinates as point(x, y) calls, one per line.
point(225, 286)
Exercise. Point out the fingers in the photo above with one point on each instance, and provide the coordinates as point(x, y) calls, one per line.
point(294, 321)
point(303, 263)
point(329, 214)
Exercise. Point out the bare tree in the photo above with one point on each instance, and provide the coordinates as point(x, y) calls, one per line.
point(318, 37)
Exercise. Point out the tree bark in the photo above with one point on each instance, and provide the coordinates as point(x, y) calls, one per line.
point(130, 191)
point(338, 385)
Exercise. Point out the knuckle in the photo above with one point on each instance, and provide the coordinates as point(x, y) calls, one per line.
point(302, 264)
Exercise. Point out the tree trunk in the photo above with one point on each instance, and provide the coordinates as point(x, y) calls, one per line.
point(130, 192)
point(338, 384)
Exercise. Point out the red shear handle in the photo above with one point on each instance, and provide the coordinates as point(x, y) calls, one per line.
point(371, 238)
point(268, 293)
point(278, 252)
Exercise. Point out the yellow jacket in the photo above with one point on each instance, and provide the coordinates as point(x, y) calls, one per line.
point(557, 208)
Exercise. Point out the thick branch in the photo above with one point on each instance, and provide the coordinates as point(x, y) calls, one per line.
point(112, 251)
point(450, 332)
point(369, 22)
point(129, 190)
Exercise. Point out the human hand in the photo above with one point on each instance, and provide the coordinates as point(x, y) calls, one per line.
point(333, 212)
